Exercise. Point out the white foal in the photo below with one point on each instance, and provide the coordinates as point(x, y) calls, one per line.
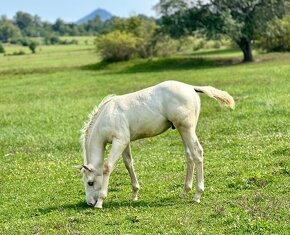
point(145, 113)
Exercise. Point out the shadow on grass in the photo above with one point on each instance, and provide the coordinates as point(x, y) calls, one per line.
point(161, 202)
point(219, 52)
point(161, 64)
point(82, 206)
point(44, 70)
point(78, 206)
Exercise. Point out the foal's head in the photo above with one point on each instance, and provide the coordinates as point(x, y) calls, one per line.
point(92, 183)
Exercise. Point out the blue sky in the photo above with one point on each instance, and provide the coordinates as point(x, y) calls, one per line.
point(72, 10)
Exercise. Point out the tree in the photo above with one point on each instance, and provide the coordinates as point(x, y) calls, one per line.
point(277, 35)
point(59, 26)
point(240, 20)
point(94, 25)
point(23, 20)
point(8, 30)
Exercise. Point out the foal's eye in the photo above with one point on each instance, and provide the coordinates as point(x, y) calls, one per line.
point(90, 183)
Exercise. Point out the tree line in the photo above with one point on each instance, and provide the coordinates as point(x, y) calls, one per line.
point(26, 25)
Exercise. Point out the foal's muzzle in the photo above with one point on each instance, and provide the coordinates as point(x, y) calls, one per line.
point(91, 203)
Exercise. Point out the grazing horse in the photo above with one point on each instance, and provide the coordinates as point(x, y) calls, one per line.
point(145, 113)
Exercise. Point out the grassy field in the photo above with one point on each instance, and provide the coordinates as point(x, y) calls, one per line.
point(45, 99)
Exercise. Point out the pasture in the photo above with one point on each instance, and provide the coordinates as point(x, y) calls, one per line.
point(46, 97)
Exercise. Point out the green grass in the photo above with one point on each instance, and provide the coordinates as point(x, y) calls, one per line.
point(45, 98)
point(82, 40)
point(47, 59)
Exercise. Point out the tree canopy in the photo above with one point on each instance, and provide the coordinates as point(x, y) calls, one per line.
point(240, 20)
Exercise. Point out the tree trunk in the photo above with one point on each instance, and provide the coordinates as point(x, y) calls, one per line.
point(246, 46)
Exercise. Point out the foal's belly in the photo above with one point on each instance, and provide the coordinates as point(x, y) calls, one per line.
point(150, 128)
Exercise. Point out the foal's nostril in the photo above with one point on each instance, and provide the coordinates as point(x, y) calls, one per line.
point(92, 203)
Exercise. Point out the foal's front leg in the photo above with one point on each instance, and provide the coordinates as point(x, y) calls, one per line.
point(117, 149)
point(128, 160)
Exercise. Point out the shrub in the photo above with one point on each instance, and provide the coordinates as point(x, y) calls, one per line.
point(141, 32)
point(67, 42)
point(51, 40)
point(32, 46)
point(199, 43)
point(217, 44)
point(185, 44)
point(74, 42)
point(165, 46)
point(2, 50)
point(117, 46)
point(144, 47)
point(54, 40)
point(277, 36)
point(18, 53)
point(20, 41)
point(228, 43)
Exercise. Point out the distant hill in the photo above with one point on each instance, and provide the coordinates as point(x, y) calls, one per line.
point(103, 14)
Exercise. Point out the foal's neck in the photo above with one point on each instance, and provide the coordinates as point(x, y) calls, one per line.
point(95, 155)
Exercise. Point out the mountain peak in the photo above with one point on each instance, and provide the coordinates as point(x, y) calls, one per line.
point(102, 13)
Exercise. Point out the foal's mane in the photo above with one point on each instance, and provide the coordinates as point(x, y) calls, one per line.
point(86, 130)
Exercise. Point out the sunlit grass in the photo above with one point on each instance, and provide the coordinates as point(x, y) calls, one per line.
point(46, 57)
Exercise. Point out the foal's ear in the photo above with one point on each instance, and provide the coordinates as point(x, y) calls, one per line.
point(79, 168)
point(88, 167)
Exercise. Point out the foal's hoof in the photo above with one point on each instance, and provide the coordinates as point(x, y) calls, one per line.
point(98, 206)
point(196, 198)
point(134, 199)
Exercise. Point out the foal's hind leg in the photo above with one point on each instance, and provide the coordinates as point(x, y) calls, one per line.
point(195, 156)
point(128, 160)
point(189, 172)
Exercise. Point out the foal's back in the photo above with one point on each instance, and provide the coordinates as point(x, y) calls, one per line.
point(151, 111)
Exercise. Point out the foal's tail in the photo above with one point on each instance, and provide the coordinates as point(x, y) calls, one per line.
point(222, 97)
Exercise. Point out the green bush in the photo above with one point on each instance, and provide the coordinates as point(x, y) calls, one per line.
point(2, 50)
point(277, 36)
point(51, 40)
point(20, 41)
point(166, 46)
point(199, 43)
point(217, 44)
point(228, 43)
point(18, 53)
point(69, 42)
point(185, 44)
point(32, 46)
point(73, 42)
point(54, 40)
point(117, 46)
